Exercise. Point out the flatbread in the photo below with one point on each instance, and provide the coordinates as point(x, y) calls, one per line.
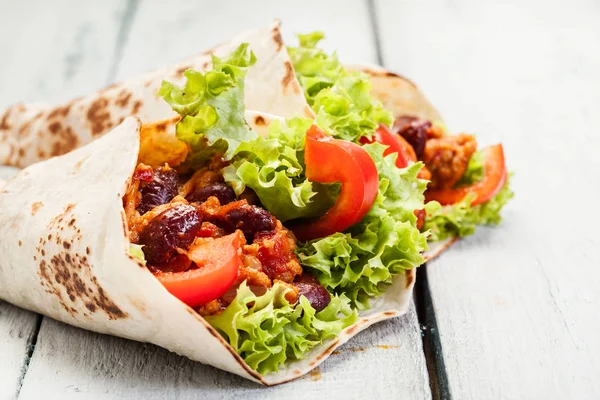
point(64, 253)
point(31, 133)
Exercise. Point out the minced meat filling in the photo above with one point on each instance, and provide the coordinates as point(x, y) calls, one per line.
point(166, 215)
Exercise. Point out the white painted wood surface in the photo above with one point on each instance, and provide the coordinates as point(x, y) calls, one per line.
point(134, 37)
point(516, 306)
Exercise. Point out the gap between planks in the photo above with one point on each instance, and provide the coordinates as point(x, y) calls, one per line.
point(432, 345)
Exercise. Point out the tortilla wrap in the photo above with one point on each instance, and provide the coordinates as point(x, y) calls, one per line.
point(403, 98)
point(64, 253)
point(30, 133)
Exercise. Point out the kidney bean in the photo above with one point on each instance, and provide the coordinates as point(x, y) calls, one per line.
point(221, 191)
point(161, 190)
point(414, 130)
point(250, 220)
point(316, 294)
point(174, 228)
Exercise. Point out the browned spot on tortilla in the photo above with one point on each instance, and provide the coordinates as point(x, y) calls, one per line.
point(98, 116)
point(123, 98)
point(136, 107)
point(148, 83)
point(297, 372)
point(259, 120)
point(389, 313)
point(110, 87)
point(179, 71)
point(35, 207)
point(68, 275)
point(352, 329)
point(21, 152)
point(59, 112)
point(315, 374)
point(55, 127)
point(65, 142)
point(20, 243)
point(277, 39)
point(410, 277)
point(335, 352)
point(288, 78)
point(329, 350)
point(4, 125)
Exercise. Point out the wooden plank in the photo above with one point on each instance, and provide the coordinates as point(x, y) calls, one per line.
point(48, 55)
point(168, 32)
point(68, 361)
point(516, 306)
point(55, 52)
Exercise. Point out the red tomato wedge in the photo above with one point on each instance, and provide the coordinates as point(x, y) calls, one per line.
point(330, 160)
point(395, 143)
point(493, 180)
point(218, 262)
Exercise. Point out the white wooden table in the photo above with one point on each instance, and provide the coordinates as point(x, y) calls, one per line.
point(510, 313)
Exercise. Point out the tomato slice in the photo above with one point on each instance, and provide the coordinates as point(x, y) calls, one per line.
point(218, 263)
point(395, 143)
point(495, 175)
point(330, 160)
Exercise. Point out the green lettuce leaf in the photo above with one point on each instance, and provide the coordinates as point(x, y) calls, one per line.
point(461, 219)
point(211, 106)
point(268, 331)
point(274, 168)
point(361, 262)
point(136, 251)
point(341, 99)
point(474, 171)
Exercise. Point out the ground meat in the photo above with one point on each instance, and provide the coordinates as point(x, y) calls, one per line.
point(447, 158)
point(276, 254)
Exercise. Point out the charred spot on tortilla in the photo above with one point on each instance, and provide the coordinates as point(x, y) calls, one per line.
point(65, 142)
point(137, 105)
point(277, 38)
point(98, 116)
point(259, 120)
point(179, 71)
point(389, 313)
point(35, 207)
point(288, 78)
point(4, 125)
point(123, 98)
point(60, 112)
point(20, 243)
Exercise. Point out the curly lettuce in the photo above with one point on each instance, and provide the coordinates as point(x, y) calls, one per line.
point(361, 262)
point(461, 219)
point(267, 331)
point(341, 99)
point(211, 106)
point(274, 168)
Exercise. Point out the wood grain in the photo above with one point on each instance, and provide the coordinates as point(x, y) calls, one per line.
point(386, 360)
point(516, 306)
point(70, 363)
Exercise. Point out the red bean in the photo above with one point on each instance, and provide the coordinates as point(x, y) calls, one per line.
point(221, 191)
point(161, 190)
point(174, 228)
point(414, 130)
point(316, 294)
point(250, 220)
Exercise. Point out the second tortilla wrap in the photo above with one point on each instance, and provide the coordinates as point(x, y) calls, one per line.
point(31, 133)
